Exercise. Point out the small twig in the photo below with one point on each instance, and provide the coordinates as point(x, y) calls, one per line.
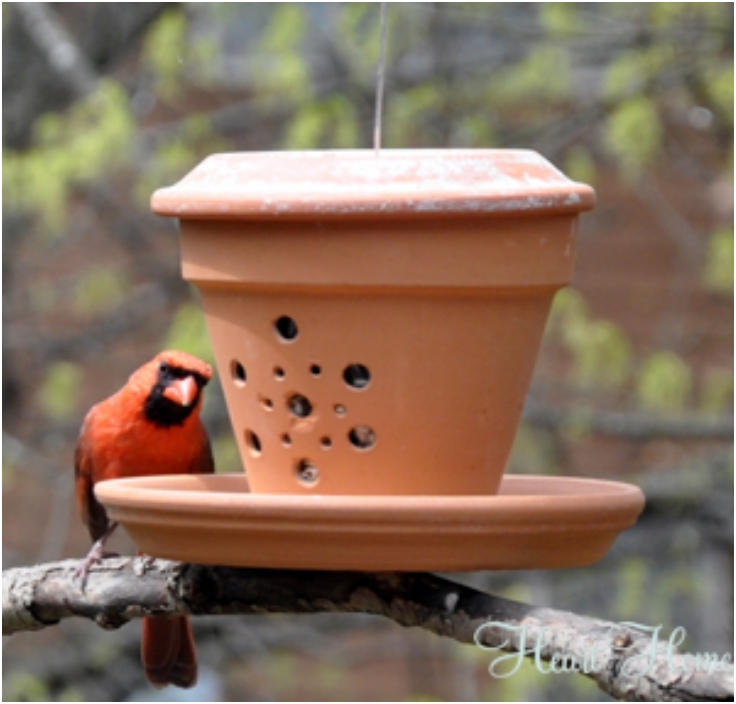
point(58, 46)
point(626, 661)
point(634, 425)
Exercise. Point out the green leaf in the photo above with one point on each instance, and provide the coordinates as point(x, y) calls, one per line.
point(69, 149)
point(280, 71)
point(719, 262)
point(664, 14)
point(580, 165)
point(631, 590)
point(534, 451)
point(523, 685)
point(286, 29)
point(330, 124)
point(569, 308)
point(560, 19)
point(578, 423)
point(188, 332)
point(602, 354)
point(408, 111)
point(25, 687)
point(664, 383)
point(359, 30)
point(164, 51)
point(633, 133)
point(601, 351)
point(71, 694)
point(630, 73)
point(669, 14)
point(281, 670)
point(543, 76)
point(225, 452)
point(474, 131)
point(330, 677)
point(305, 129)
point(716, 394)
point(99, 289)
point(719, 85)
point(60, 390)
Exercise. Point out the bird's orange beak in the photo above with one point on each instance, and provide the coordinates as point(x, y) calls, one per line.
point(182, 391)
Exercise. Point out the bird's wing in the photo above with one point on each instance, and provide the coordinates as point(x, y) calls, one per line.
point(92, 511)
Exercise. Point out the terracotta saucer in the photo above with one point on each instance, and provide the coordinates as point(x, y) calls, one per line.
point(535, 522)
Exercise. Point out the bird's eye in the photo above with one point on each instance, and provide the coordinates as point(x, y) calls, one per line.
point(163, 367)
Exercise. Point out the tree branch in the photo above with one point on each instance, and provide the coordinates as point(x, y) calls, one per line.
point(632, 425)
point(627, 661)
point(58, 46)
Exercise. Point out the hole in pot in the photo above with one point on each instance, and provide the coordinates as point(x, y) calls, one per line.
point(286, 440)
point(300, 405)
point(237, 372)
point(253, 442)
point(362, 437)
point(326, 443)
point(340, 410)
point(356, 376)
point(267, 403)
point(315, 370)
point(307, 472)
point(286, 328)
point(278, 373)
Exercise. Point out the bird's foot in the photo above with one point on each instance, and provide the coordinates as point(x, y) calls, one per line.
point(82, 572)
point(96, 554)
point(142, 565)
point(93, 557)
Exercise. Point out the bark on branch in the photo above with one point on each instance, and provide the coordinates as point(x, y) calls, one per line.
point(626, 661)
point(632, 425)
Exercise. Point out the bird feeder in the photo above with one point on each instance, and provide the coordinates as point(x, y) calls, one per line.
point(376, 318)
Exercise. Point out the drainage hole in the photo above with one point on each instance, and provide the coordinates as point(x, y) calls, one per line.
point(300, 405)
point(253, 442)
point(315, 370)
point(326, 443)
point(340, 410)
point(286, 328)
point(307, 472)
point(286, 440)
point(356, 376)
point(237, 372)
point(362, 437)
point(278, 373)
point(267, 403)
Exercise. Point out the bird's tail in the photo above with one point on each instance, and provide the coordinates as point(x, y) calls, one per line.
point(168, 652)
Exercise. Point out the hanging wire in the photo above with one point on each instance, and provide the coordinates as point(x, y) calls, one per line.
point(379, 89)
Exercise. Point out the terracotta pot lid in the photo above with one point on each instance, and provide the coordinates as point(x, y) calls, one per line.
point(535, 522)
point(359, 183)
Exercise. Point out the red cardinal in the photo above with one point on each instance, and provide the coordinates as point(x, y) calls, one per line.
point(151, 426)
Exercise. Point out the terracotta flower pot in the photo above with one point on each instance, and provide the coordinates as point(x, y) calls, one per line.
point(376, 319)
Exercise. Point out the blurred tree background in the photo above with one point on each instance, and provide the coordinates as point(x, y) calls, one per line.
point(105, 102)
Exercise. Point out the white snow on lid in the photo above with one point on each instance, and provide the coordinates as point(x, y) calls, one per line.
point(361, 181)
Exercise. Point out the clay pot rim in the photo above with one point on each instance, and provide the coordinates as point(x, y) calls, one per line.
point(522, 499)
point(344, 184)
